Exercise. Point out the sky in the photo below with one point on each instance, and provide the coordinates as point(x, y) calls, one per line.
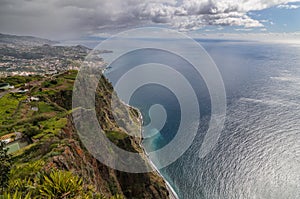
point(71, 19)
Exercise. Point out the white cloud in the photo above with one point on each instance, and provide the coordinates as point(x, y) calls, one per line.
point(287, 38)
point(55, 17)
point(244, 29)
point(236, 19)
point(284, 6)
point(264, 21)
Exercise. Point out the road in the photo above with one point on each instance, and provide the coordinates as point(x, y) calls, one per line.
point(3, 93)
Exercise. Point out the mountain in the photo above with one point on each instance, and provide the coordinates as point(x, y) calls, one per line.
point(24, 40)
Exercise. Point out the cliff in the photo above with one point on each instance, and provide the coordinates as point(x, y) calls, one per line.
point(54, 144)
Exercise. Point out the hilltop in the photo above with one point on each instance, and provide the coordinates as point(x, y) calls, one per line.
point(24, 40)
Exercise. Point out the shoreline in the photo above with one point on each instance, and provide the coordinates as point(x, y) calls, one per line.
point(172, 193)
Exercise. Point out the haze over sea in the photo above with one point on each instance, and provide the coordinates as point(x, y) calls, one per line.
point(258, 153)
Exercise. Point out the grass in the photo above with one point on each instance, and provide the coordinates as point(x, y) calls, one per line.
point(44, 107)
point(51, 127)
point(25, 170)
point(8, 104)
point(22, 122)
point(18, 81)
point(22, 152)
point(54, 123)
point(45, 92)
point(71, 75)
point(116, 135)
point(53, 83)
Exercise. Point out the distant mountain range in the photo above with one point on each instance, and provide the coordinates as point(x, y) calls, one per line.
point(24, 40)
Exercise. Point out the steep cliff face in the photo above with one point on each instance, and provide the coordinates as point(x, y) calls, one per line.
point(56, 144)
point(106, 180)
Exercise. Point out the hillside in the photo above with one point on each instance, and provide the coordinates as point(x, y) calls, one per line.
point(24, 40)
point(40, 110)
point(25, 55)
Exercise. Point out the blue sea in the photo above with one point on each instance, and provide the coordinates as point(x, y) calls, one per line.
point(258, 153)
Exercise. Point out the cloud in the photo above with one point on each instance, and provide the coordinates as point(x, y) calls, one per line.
point(244, 29)
point(56, 18)
point(284, 6)
point(292, 38)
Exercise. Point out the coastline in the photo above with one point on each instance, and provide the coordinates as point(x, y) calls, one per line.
point(172, 193)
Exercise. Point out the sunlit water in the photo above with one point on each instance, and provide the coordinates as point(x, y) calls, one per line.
point(258, 153)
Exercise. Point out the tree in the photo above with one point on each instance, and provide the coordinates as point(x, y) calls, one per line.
point(5, 165)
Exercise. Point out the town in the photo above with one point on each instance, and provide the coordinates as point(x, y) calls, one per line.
point(38, 60)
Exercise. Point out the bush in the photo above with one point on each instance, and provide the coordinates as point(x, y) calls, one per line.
point(20, 185)
point(5, 162)
point(15, 195)
point(57, 184)
point(54, 82)
point(60, 184)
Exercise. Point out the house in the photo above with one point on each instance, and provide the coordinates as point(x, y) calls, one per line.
point(8, 138)
point(52, 72)
point(35, 109)
point(23, 91)
point(34, 99)
point(13, 141)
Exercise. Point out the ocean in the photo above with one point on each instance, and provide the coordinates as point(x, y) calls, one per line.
point(258, 153)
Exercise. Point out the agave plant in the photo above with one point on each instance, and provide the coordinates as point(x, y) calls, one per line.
point(15, 195)
point(117, 197)
point(21, 185)
point(60, 184)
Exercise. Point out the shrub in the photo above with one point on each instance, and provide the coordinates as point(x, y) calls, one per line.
point(20, 185)
point(15, 195)
point(5, 162)
point(60, 184)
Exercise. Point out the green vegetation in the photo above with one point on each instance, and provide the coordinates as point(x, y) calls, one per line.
point(71, 75)
point(116, 135)
point(55, 164)
point(45, 107)
point(23, 170)
point(60, 184)
point(8, 104)
point(18, 81)
point(52, 83)
point(5, 162)
point(15, 195)
point(27, 177)
point(53, 125)
point(54, 184)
